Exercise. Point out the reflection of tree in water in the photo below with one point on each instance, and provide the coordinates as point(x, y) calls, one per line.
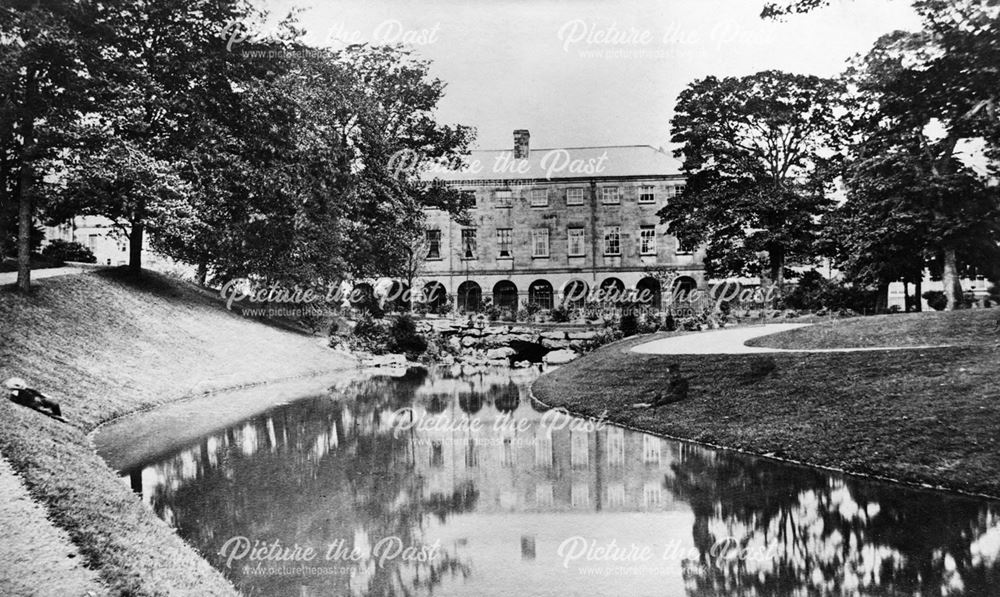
point(271, 479)
point(813, 535)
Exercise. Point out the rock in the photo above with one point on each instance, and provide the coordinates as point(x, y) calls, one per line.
point(521, 330)
point(497, 340)
point(500, 353)
point(522, 364)
point(553, 344)
point(560, 357)
point(554, 335)
point(455, 343)
point(472, 332)
point(447, 360)
point(582, 335)
point(494, 330)
point(469, 341)
point(384, 360)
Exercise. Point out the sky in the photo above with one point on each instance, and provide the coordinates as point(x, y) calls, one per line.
point(593, 72)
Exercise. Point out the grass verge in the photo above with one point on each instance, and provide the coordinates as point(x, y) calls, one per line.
point(105, 345)
point(920, 416)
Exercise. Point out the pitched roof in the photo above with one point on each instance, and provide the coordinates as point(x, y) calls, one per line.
point(560, 163)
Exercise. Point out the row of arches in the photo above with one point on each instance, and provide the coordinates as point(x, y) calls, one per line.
point(505, 294)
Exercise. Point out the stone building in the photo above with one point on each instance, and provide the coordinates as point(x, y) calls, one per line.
point(550, 225)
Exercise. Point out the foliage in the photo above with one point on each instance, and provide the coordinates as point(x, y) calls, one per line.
point(370, 335)
point(403, 338)
point(10, 238)
point(919, 96)
point(628, 324)
point(68, 251)
point(752, 150)
point(559, 314)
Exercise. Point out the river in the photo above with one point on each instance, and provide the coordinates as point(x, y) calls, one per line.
point(438, 482)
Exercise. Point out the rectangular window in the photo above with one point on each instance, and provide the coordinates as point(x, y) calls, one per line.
point(576, 245)
point(504, 236)
point(647, 240)
point(540, 242)
point(434, 244)
point(468, 243)
point(611, 195)
point(613, 240)
point(683, 249)
point(92, 242)
point(574, 196)
point(504, 198)
point(539, 198)
point(646, 194)
point(674, 190)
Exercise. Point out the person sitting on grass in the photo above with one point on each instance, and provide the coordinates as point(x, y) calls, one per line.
point(19, 393)
point(676, 390)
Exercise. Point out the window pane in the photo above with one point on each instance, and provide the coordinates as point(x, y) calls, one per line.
point(612, 240)
point(647, 240)
point(574, 197)
point(539, 198)
point(504, 237)
point(576, 245)
point(540, 242)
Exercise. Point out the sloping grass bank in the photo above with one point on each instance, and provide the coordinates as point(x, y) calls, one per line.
point(105, 345)
point(921, 416)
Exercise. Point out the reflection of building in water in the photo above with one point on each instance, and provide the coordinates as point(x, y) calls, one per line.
point(505, 492)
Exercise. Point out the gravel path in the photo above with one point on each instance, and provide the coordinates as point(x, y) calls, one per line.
point(38, 558)
point(731, 341)
point(38, 274)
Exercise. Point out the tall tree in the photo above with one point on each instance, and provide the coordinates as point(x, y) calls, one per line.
point(922, 95)
point(754, 150)
point(47, 60)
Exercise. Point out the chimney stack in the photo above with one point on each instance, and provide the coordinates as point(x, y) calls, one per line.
point(521, 145)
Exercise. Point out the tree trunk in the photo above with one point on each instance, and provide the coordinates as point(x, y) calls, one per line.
point(906, 296)
point(24, 219)
point(882, 300)
point(949, 278)
point(776, 259)
point(26, 210)
point(135, 239)
point(917, 294)
point(202, 274)
point(135, 248)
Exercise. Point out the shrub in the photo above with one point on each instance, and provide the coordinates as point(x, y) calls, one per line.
point(370, 335)
point(628, 324)
point(62, 250)
point(935, 299)
point(669, 323)
point(404, 338)
point(560, 314)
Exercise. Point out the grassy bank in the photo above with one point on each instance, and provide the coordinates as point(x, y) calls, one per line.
point(104, 345)
point(973, 327)
point(922, 416)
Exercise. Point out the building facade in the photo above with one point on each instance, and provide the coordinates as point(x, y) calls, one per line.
point(553, 225)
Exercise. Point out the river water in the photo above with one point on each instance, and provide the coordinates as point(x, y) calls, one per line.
point(439, 483)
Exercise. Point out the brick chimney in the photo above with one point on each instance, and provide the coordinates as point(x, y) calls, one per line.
point(521, 145)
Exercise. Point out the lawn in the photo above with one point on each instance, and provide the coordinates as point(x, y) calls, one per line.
point(105, 345)
point(972, 327)
point(921, 416)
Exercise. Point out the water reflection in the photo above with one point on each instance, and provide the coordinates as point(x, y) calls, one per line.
point(505, 493)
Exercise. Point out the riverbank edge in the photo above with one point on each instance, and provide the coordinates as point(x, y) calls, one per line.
point(132, 551)
point(756, 454)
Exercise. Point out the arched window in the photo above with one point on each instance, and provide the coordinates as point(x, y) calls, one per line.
point(435, 295)
point(540, 293)
point(612, 291)
point(575, 293)
point(505, 295)
point(648, 292)
point(470, 296)
point(681, 289)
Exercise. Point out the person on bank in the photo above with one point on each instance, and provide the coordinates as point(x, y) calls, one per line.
point(19, 393)
point(676, 390)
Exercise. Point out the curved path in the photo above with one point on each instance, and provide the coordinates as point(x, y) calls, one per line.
point(731, 341)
